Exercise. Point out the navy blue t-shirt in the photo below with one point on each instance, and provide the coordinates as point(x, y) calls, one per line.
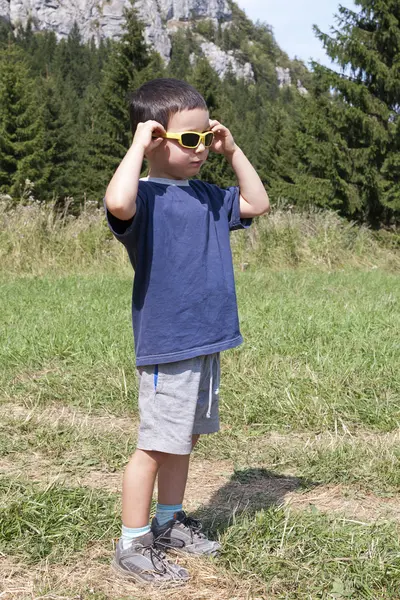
point(184, 300)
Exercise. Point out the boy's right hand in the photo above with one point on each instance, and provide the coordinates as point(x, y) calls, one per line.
point(145, 135)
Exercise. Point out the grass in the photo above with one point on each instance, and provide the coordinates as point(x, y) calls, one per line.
point(309, 555)
point(310, 401)
point(320, 349)
point(55, 523)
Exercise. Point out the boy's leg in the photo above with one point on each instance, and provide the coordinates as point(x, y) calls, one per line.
point(136, 556)
point(180, 531)
point(195, 439)
point(137, 488)
point(172, 478)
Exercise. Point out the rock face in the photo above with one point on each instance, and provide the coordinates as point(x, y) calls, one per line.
point(284, 78)
point(222, 62)
point(105, 19)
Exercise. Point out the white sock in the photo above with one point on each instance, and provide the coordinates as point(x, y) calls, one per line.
point(131, 533)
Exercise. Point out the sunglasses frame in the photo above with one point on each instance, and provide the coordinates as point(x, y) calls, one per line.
point(178, 136)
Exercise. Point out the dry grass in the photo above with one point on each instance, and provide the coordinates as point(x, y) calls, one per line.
point(348, 501)
point(35, 239)
point(90, 575)
point(213, 483)
point(61, 414)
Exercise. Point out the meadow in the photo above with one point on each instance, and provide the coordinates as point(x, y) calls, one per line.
point(301, 486)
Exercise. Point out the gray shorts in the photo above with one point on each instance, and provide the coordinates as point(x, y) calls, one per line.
point(177, 400)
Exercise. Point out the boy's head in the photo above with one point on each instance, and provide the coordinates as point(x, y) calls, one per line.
point(178, 107)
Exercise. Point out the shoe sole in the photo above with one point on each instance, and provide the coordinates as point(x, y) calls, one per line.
point(142, 582)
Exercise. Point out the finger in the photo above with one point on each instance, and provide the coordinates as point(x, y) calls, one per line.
point(219, 128)
point(157, 126)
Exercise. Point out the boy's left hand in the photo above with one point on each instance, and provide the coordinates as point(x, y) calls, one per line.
point(223, 139)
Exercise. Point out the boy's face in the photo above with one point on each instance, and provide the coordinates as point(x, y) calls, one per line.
point(170, 159)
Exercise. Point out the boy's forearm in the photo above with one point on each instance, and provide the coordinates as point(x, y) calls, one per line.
point(252, 191)
point(122, 190)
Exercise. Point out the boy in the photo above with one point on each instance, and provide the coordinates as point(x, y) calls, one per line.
point(176, 232)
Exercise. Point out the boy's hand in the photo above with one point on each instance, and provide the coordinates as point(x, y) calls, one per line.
point(146, 135)
point(223, 139)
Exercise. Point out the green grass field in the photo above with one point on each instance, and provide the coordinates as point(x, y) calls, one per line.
point(302, 485)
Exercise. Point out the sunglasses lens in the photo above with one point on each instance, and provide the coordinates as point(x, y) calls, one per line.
point(209, 138)
point(190, 140)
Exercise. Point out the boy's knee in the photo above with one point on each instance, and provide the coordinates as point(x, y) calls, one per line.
point(158, 457)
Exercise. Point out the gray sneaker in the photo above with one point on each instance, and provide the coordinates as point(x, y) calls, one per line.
point(183, 534)
point(146, 564)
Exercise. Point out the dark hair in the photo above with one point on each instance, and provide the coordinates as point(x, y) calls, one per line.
point(159, 99)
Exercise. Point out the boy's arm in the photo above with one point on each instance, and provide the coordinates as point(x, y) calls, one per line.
point(122, 190)
point(254, 199)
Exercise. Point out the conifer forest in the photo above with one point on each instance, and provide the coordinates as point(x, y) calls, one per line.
point(64, 122)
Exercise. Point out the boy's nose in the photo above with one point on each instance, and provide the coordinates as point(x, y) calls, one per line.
point(201, 147)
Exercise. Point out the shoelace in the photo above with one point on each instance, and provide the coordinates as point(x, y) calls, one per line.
point(194, 525)
point(165, 540)
point(169, 541)
point(154, 553)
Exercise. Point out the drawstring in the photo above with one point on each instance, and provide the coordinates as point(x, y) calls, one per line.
point(210, 390)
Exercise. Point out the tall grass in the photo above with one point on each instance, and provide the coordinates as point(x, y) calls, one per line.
point(35, 238)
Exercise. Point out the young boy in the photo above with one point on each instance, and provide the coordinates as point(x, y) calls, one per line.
point(184, 312)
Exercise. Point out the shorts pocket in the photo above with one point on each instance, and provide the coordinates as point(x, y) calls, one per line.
point(155, 377)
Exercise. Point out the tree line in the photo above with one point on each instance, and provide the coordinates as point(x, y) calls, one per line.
point(64, 123)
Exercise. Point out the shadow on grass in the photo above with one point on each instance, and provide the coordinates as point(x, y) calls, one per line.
point(247, 492)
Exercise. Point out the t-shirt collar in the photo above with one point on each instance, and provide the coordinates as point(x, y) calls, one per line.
point(179, 182)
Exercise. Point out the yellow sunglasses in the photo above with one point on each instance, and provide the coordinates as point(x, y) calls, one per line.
point(191, 139)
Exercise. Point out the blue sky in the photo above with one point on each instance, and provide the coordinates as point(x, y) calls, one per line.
point(292, 22)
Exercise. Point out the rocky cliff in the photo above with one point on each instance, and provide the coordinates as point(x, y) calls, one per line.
point(105, 18)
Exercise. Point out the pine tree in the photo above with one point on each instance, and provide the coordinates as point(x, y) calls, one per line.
point(348, 143)
point(60, 142)
point(72, 61)
point(206, 81)
point(182, 47)
point(107, 131)
point(22, 154)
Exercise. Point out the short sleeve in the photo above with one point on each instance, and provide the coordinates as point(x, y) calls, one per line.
point(231, 202)
point(125, 231)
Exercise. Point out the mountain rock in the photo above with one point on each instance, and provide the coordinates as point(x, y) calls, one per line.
point(223, 62)
point(283, 75)
point(105, 18)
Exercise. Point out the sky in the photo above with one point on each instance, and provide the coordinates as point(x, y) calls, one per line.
point(292, 22)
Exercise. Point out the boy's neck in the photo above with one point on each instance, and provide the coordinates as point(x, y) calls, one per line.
point(158, 174)
point(166, 180)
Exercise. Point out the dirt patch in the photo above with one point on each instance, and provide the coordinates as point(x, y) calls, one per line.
point(205, 477)
point(92, 575)
point(60, 414)
point(214, 488)
point(347, 500)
